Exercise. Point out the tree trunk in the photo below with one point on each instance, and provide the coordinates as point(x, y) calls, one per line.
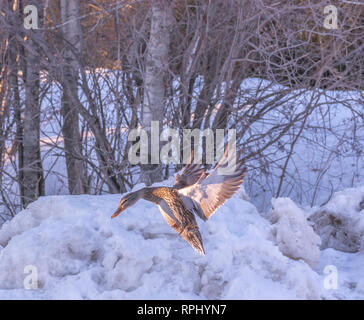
point(17, 111)
point(16, 61)
point(154, 81)
point(72, 141)
point(32, 172)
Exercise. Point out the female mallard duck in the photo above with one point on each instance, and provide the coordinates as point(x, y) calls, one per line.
point(195, 192)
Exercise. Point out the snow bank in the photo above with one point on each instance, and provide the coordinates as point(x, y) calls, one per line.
point(293, 235)
point(80, 253)
point(340, 223)
point(350, 272)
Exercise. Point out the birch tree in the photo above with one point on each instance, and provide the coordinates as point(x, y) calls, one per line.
point(72, 35)
point(156, 66)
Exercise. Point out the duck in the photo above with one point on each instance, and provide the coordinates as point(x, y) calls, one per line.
point(195, 193)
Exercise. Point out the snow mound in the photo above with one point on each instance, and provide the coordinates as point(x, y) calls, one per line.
point(340, 223)
point(292, 233)
point(79, 252)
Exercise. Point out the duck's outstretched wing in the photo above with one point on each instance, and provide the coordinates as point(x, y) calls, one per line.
point(190, 174)
point(211, 191)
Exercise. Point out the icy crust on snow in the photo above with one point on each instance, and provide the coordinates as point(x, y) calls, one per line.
point(292, 233)
point(81, 253)
point(340, 223)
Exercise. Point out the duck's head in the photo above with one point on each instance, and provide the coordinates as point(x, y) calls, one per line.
point(127, 201)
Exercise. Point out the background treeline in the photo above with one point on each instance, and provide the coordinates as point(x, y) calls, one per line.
point(70, 90)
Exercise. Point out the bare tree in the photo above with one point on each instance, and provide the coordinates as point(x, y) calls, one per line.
point(156, 68)
point(72, 34)
point(33, 181)
point(268, 69)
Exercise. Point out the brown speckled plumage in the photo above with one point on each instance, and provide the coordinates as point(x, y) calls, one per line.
point(195, 192)
point(186, 225)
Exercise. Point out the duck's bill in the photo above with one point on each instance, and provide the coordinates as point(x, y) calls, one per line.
point(117, 212)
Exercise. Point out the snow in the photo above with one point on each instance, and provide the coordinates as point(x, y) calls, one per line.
point(292, 233)
point(340, 223)
point(79, 252)
point(350, 273)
